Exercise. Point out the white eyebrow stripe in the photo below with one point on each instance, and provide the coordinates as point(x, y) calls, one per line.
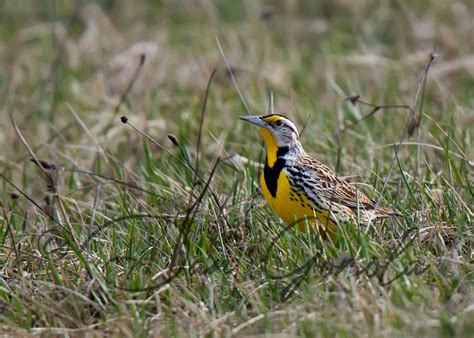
point(291, 125)
point(285, 120)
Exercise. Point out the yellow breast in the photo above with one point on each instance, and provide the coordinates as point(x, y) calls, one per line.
point(293, 207)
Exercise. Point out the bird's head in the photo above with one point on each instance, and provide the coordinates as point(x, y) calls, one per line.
point(277, 130)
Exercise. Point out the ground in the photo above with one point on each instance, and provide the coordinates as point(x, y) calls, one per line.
point(154, 224)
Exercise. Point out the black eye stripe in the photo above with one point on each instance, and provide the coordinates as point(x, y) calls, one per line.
point(280, 123)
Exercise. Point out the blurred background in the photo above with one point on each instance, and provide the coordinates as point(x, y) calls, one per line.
point(58, 56)
point(70, 69)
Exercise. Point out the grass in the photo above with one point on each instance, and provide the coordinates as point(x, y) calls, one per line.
point(115, 234)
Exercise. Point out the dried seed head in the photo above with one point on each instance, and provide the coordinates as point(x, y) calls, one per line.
point(142, 59)
point(173, 139)
point(413, 123)
point(353, 99)
point(44, 164)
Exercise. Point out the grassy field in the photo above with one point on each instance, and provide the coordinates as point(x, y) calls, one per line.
point(107, 232)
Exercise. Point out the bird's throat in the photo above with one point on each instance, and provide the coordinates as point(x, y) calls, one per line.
point(274, 161)
point(271, 174)
point(271, 146)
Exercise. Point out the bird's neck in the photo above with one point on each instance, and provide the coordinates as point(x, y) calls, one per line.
point(274, 152)
point(271, 146)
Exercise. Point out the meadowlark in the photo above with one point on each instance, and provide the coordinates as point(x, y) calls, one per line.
point(299, 187)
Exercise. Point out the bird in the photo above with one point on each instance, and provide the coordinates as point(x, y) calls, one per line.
point(298, 187)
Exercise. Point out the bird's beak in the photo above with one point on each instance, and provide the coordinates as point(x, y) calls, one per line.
point(257, 120)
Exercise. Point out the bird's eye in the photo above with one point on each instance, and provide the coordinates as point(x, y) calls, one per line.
point(279, 123)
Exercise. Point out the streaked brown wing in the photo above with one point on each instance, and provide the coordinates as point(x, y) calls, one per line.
point(334, 188)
